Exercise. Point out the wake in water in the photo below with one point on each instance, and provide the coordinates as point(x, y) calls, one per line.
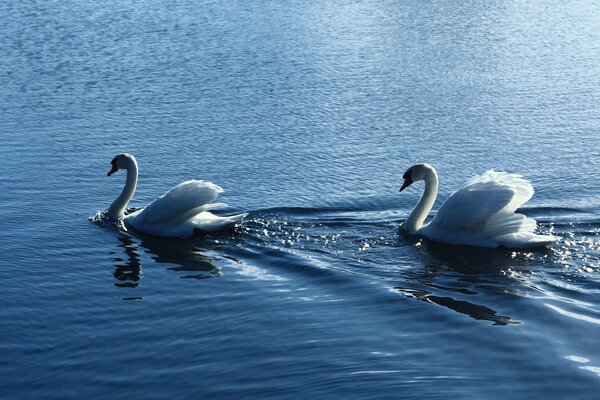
point(366, 246)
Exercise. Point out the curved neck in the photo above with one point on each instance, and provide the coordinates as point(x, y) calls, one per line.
point(415, 220)
point(117, 208)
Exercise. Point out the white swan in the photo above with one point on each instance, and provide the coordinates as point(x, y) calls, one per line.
point(480, 213)
point(179, 212)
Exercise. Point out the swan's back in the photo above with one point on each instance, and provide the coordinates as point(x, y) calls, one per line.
point(482, 213)
point(180, 203)
point(183, 210)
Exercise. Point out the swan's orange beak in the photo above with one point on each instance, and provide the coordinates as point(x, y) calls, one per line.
point(112, 170)
point(407, 183)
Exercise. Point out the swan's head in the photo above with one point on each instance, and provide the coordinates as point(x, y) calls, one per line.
point(121, 161)
point(417, 172)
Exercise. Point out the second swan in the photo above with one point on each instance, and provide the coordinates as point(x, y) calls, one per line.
point(480, 213)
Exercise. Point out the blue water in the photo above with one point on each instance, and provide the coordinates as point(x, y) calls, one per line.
point(307, 114)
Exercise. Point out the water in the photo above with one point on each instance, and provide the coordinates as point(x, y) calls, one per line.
point(307, 114)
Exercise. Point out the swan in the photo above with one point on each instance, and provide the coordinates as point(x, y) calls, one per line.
point(481, 213)
point(180, 212)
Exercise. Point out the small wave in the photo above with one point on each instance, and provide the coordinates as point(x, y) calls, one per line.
point(366, 204)
point(299, 211)
point(311, 211)
point(551, 210)
point(560, 214)
point(571, 314)
point(570, 228)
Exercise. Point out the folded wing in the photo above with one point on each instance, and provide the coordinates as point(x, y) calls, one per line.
point(482, 211)
point(181, 203)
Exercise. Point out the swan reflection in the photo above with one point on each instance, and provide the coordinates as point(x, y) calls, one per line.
point(128, 271)
point(186, 257)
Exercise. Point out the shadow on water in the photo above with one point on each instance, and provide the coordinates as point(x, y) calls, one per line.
point(467, 271)
point(473, 310)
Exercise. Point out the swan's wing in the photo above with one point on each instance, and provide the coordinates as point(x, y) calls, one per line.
point(181, 203)
point(486, 202)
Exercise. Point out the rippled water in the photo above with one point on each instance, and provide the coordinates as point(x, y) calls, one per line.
point(307, 114)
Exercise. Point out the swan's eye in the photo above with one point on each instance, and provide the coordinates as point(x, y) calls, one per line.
point(407, 174)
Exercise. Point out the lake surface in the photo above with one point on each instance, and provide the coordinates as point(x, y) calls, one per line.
point(307, 114)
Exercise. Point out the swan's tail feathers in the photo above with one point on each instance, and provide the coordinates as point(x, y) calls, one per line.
point(516, 231)
point(190, 214)
point(504, 223)
point(523, 240)
point(235, 219)
point(208, 222)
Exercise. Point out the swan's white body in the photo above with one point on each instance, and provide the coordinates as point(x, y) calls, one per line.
point(180, 212)
point(481, 213)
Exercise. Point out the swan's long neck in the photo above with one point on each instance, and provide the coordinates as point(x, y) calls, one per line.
point(117, 208)
point(415, 220)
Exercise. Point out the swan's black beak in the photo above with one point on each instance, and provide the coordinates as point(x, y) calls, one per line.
point(112, 170)
point(407, 183)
